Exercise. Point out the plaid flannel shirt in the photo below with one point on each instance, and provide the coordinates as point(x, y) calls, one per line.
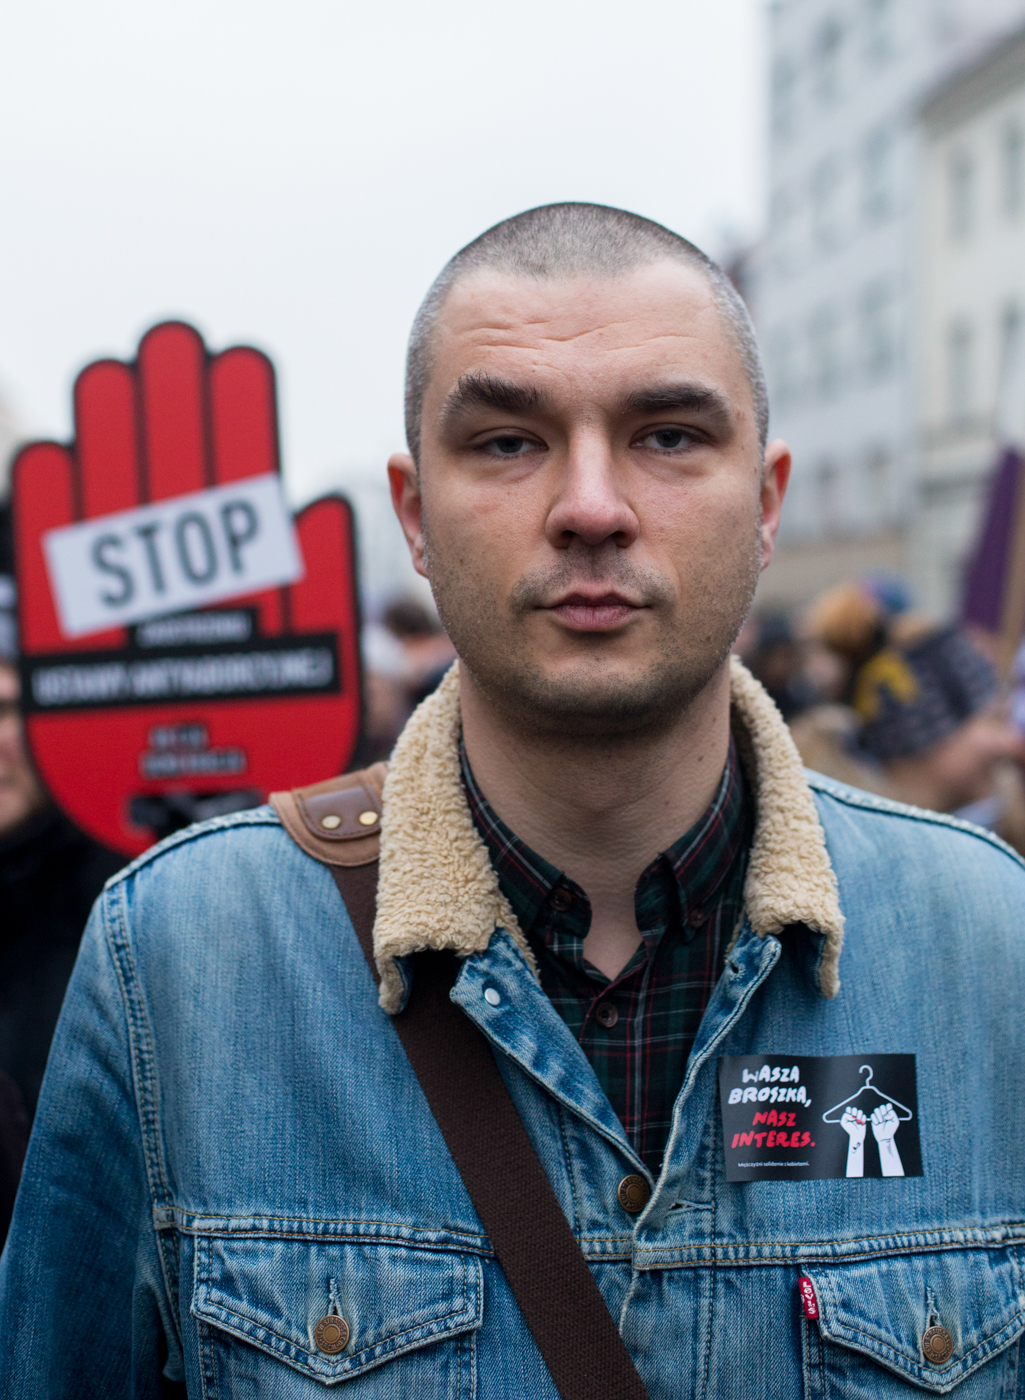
point(637, 1028)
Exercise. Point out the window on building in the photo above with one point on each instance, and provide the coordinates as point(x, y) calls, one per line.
point(782, 208)
point(880, 17)
point(961, 187)
point(878, 473)
point(784, 97)
point(827, 51)
point(877, 175)
point(877, 338)
point(783, 368)
point(824, 346)
point(948, 20)
point(827, 496)
point(1010, 330)
point(825, 197)
point(960, 370)
point(1012, 169)
point(1010, 365)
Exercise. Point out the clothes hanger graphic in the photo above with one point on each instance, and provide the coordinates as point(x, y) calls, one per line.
point(904, 1115)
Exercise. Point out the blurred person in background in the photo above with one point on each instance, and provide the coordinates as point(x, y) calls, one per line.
point(406, 655)
point(932, 716)
point(851, 623)
point(842, 630)
point(913, 713)
point(775, 654)
point(426, 650)
point(50, 874)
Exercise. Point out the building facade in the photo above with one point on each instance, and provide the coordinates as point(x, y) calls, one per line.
point(835, 291)
point(971, 322)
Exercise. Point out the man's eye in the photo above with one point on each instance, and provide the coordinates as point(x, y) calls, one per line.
point(667, 439)
point(508, 445)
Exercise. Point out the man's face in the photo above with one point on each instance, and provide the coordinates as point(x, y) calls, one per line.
point(592, 507)
point(20, 792)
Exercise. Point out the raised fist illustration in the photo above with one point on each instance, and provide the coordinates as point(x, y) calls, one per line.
point(209, 687)
point(855, 1125)
point(884, 1126)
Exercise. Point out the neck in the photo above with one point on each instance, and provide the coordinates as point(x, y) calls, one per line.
point(601, 812)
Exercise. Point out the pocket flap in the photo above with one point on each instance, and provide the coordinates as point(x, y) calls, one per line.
point(272, 1292)
point(884, 1308)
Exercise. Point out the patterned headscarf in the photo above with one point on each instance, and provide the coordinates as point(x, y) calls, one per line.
point(911, 698)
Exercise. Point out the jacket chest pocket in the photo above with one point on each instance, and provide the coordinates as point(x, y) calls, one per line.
point(285, 1317)
point(925, 1324)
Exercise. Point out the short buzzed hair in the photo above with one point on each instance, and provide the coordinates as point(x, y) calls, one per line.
point(564, 240)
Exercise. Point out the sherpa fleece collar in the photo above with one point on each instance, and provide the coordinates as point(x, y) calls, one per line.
point(437, 888)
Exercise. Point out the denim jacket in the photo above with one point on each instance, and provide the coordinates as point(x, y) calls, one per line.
point(231, 1146)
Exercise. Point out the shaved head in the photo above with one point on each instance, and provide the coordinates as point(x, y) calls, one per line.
point(558, 241)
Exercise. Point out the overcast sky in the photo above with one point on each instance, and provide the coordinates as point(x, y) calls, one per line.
point(294, 174)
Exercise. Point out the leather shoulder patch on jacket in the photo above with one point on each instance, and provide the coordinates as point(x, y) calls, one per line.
point(338, 821)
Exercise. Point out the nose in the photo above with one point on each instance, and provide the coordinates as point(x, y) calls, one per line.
point(590, 505)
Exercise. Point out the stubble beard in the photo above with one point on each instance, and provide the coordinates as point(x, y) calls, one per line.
point(593, 700)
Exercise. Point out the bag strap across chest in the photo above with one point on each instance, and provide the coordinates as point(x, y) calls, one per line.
point(452, 1060)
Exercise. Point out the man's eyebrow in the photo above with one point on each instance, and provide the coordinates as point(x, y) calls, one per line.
point(691, 398)
point(481, 390)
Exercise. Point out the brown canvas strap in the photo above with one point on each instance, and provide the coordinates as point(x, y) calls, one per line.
point(539, 1255)
point(338, 823)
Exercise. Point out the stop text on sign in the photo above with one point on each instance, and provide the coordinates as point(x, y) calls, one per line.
point(179, 553)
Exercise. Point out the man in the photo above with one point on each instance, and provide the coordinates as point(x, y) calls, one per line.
point(235, 1177)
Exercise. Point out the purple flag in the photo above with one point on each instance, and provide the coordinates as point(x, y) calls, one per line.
point(986, 572)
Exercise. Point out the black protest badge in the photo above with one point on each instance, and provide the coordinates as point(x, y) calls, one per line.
point(817, 1117)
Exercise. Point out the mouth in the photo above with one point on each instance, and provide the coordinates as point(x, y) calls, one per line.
point(595, 612)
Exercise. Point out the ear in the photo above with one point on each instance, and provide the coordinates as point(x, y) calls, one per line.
point(405, 498)
point(775, 476)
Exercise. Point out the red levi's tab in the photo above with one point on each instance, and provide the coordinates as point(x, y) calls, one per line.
point(808, 1299)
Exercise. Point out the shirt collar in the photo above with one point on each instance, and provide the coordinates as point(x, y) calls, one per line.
point(698, 862)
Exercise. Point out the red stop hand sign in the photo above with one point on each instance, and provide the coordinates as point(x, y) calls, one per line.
point(137, 728)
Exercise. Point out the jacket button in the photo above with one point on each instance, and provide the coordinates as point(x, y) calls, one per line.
point(331, 1334)
point(634, 1193)
point(938, 1345)
point(606, 1015)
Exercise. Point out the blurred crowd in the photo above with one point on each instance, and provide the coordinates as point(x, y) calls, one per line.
point(876, 695)
point(883, 698)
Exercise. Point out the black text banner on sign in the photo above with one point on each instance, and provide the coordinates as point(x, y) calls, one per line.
point(812, 1117)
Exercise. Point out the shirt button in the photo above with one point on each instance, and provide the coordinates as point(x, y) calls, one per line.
point(634, 1193)
point(696, 918)
point(331, 1334)
point(938, 1345)
point(606, 1015)
point(562, 900)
